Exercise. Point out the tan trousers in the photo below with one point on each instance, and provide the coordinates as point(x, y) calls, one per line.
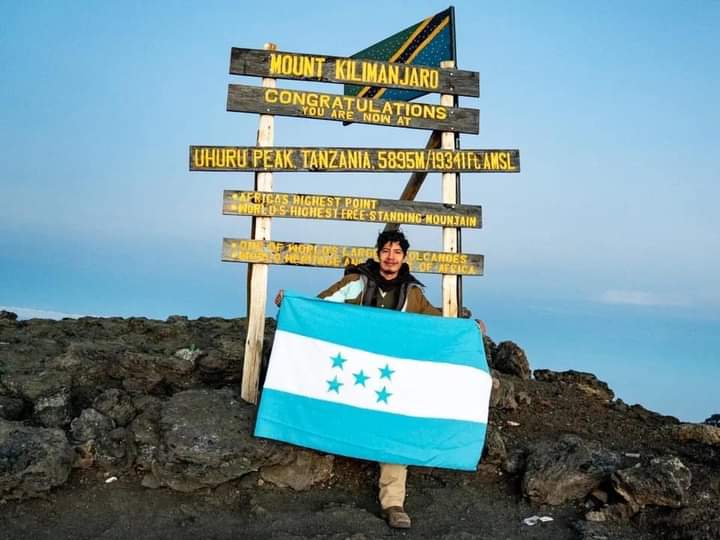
point(392, 485)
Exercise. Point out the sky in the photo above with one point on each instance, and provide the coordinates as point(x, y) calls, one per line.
point(602, 255)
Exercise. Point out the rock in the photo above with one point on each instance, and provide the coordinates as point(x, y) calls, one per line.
point(306, 470)
point(149, 481)
point(8, 315)
point(502, 395)
point(494, 451)
point(565, 470)
point(587, 382)
point(89, 365)
point(146, 431)
point(523, 398)
point(614, 513)
point(11, 408)
point(206, 439)
point(32, 460)
point(154, 373)
point(515, 461)
point(53, 411)
point(91, 425)
point(115, 450)
point(702, 433)
point(190, 356)
point(713, 420)
point(510, 359)
point(35, 381)
point(217, 368)
point(663, 482)
point(116, 404)
point(490, 350)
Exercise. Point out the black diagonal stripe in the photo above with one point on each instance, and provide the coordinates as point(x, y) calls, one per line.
point(413, 45)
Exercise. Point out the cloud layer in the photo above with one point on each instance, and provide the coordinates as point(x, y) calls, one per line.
point(642, 298)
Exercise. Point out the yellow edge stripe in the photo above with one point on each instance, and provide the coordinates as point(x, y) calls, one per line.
point(419, 49)
point(410, 39)
point(394, 57)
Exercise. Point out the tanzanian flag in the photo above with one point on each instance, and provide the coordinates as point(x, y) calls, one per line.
point(426, 43)
point(376, 384)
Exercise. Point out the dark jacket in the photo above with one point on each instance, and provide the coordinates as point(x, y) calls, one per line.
point(360, 284)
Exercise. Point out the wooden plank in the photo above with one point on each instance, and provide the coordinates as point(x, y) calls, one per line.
point(258, 273)
point(345, 208)
point(335, 69)
point(321, 106)
point(343, 159)
point(449, 196)
point(416, 179)
point(336, 256)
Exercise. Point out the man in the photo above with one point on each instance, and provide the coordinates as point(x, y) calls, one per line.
point(385, 284)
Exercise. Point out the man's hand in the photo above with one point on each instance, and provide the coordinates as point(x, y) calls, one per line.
point(279, 297)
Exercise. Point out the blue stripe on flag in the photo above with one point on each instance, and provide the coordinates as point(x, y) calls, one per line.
point(437, 339)
point(372, 435)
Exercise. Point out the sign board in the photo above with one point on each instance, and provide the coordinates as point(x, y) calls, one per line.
point(334, 256)
point(344, 208)
point(334, 69)
point(306, 159)
point(321, 106)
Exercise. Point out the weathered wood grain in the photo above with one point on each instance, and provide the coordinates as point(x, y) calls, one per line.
point(343, 159)
point(345, 208)
point(449, 196)
point(335, 69)
point(337, 256)
point(335, 107)
point(257, 275)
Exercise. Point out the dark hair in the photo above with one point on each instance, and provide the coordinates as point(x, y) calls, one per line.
point(392, 237)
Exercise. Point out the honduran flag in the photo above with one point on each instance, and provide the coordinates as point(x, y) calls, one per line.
point(376, 384)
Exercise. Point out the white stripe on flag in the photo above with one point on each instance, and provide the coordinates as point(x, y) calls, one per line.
point(303, 366)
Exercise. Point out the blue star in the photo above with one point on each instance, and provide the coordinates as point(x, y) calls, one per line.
point(334, 385)
point(383, 395)
point(386, 372)
point(360, 378)
point(338, 361)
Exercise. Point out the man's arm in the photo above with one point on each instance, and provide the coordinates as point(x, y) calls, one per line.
point(423, 304)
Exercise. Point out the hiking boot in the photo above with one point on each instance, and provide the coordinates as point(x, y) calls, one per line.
point(396, 517)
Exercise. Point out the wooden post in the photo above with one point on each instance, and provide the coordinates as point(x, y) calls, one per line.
point(258, 273)
point(449, 195)
point(416, 179)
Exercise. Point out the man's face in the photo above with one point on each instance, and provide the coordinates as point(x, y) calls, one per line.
point(391, 259)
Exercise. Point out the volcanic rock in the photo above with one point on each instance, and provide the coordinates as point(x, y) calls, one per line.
point(11, 408)
point(502, 395)
point(307, 469)
point(206, 439)
point(565, 470)
point(587, 382)
point(702, 433)
point(32, 460)
point(510, 359)
point(663, 482)
point(116, 404)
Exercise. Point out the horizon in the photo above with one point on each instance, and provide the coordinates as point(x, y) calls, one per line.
point(601, 255)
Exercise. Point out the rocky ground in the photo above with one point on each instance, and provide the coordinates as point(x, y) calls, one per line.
point(132, 428)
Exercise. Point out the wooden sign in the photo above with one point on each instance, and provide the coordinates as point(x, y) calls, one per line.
point(334, 256)
point(344, 208)
point(334, 69)
point(285, 102)
point(301, 159)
